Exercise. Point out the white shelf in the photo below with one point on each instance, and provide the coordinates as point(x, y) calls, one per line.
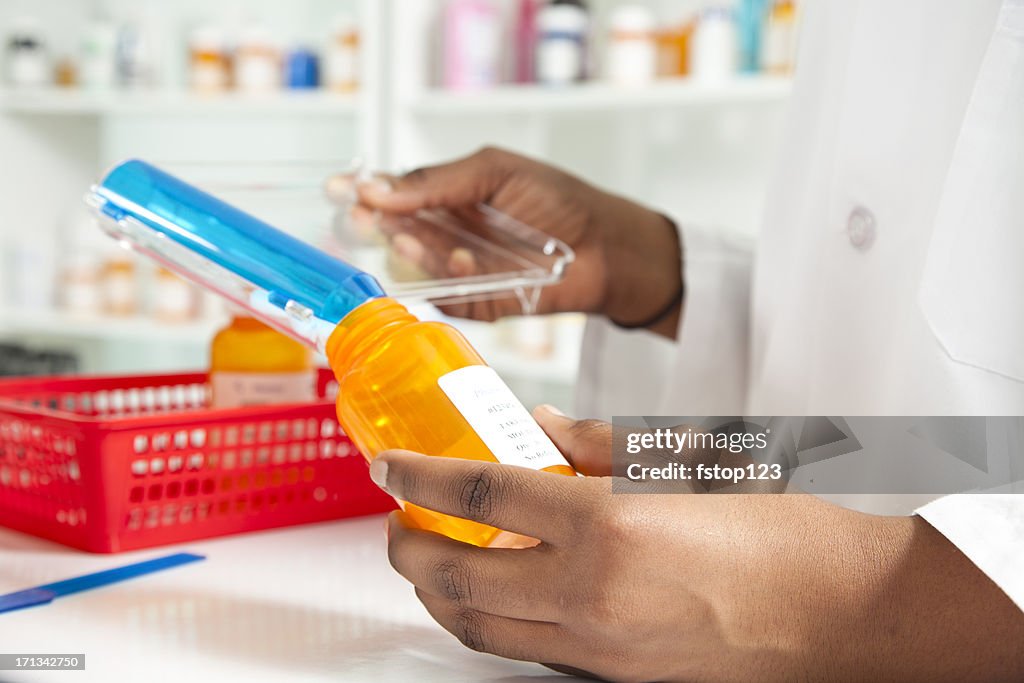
point(57, 324)
point(599, 96)
point(59, 101)
point(61, 324)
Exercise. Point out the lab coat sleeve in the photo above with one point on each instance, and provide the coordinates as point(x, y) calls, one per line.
point(703, 372)
point(989, 529)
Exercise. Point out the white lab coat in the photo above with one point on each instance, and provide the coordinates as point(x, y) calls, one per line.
point(889, 274)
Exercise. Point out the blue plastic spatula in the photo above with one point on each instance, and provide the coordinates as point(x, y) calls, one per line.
point(41, 595)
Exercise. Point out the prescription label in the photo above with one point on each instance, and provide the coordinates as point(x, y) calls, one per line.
point(499, 419)
point(239, 389)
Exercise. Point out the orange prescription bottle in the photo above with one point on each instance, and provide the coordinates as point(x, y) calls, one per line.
point(420, 386)
point(778, 47)
point(254, 364)
point(403, 383)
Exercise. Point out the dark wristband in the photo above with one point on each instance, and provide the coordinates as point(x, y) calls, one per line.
point(663, 313)
point(671, 306)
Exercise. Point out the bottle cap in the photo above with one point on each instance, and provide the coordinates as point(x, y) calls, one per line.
point(632, 19)
point(569, 19)
point(280, 279)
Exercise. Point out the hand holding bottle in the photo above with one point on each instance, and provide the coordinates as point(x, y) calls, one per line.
point(692, 587)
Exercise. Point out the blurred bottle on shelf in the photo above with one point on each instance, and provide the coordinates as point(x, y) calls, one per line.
point(81, 284)
point(632, 57)
point(534, 337)
point(134, 56)
point(778, 49)
point(65, 73)
point(26, 58)
point(30, 270)
point(209, 61)
point(526, 41)
point(714, 50)
point(174, 299)
point(341, 59)
point(257, 61)
point(79, 251)
point(563, 29)
point(750, 23)
point(302, 69)
point(472, 44)
point(674, 44)
point(98, 60)
point(120, 285)
point(252, 364)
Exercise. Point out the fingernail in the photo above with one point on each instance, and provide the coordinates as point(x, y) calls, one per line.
point(379, 473)
point(461, 262)
point(376, 186)
point(408, 247)
point(340, 188)
point(553, 410)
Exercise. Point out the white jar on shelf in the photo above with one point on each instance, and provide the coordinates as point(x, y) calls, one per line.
point(27, 62)
point(208, 59)
point(714, 51)
point(632, 57)
point(257, 61)
point(562, 44)
point(174, 299)
point(81, 284)
point(341, 59)
point(98, 68)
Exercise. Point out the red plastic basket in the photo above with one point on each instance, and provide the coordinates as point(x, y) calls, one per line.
point(109, 464)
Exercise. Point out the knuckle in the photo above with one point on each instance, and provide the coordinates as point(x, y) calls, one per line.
point(591, 430)
point(393, 551)
point(491, 153)
point(618, 525)
point(417, 175)
point(481, 493)
point(468, 628)
point(451, 576)
point(402, 481)
point(604, 609)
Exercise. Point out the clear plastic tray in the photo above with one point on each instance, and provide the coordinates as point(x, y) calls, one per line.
point(437, 256)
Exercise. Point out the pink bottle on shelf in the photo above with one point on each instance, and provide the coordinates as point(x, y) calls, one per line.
point(526, 41)
point(472, 44)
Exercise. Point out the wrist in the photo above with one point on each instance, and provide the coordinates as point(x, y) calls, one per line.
point(643, 259)
point(898, 601)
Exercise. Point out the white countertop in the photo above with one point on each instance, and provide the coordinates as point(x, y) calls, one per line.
point(312, 603)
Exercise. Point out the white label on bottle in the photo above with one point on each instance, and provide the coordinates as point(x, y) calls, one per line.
point(238, 389)
point(342, 67)
point(256, 73)
point(559, 60)
point(499, 419)
point(120, 291)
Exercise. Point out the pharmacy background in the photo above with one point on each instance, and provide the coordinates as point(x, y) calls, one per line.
point(315, 316)
point(687, 98)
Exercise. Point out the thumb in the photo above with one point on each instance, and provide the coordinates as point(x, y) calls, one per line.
point(465, 182)
point(586, 443)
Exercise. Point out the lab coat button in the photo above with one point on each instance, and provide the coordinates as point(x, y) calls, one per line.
point(861, 228)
